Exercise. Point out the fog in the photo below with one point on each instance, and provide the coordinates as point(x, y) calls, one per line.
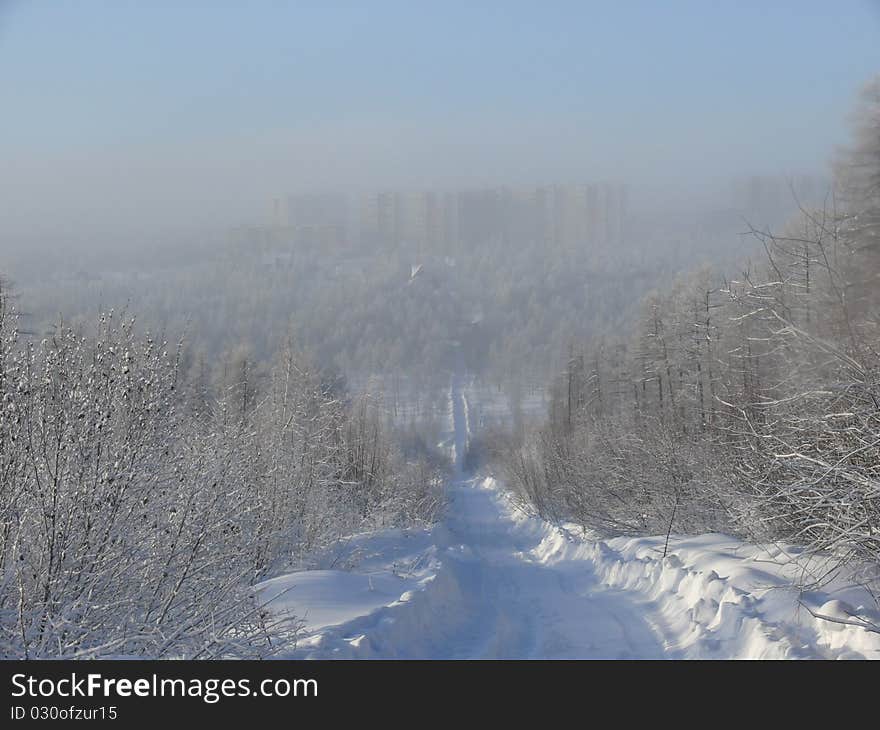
point(121, 119)
point(299, 162)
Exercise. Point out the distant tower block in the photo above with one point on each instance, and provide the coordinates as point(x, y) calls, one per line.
point(623, 214)
point(317, 218)
point(593, 216)
point(577, 222)
point(388, 218)
point(450, 222)
point(610, 216)
point(504, 213)
point(279, 213)
point(543, 217)
point(433, 234)
point(415, 222)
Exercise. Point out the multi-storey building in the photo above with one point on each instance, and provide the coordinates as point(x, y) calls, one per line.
point(443, 222)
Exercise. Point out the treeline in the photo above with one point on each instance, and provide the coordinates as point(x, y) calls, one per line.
point(138, 507)
point(363, 312)
point(749, 405)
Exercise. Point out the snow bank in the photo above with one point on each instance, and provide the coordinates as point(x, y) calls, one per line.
point(492, 581)
point(718, 597)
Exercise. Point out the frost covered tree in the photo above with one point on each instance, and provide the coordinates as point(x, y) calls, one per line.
point(755, 399)
point(136, 525)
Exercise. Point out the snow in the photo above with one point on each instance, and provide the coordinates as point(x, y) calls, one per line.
point(491, 581)
point(724, 598)
point(332, 596)
point(389, 564)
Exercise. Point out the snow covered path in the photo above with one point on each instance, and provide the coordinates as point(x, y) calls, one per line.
point(484, 592)
point(493, 582)
point(519, 606)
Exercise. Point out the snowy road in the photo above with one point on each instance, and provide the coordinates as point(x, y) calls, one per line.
point(514, 605)
point(493, 582)
point(521, 607)
point(485, 593)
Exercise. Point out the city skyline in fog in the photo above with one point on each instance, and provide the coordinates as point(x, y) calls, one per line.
point(121, 116)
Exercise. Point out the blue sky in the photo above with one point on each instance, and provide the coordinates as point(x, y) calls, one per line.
point(204, 109)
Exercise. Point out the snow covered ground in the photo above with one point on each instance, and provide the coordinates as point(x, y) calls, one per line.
point(491, 581)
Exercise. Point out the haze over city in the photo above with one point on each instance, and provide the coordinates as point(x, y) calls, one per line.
point(121, 118)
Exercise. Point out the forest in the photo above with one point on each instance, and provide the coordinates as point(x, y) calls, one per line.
point(511, 309)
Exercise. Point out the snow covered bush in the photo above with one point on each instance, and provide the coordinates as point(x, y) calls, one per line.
point(135, 524)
